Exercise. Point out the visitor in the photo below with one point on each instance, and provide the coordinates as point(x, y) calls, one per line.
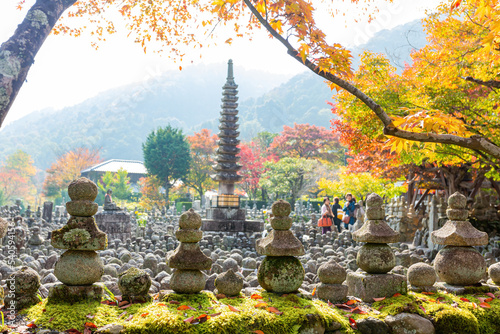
point(326, 216)
point(348, 209)
point(335, 210)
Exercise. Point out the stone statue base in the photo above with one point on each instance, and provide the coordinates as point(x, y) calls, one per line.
point(465, 290)
point(368, 286)
point(115, 223)
point(230, 220)
point(76, 293)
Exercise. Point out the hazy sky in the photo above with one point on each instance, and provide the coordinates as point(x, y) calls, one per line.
point(68, 70)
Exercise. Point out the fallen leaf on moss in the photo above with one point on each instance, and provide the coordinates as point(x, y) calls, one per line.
point(31, 325)
point(174, 302)
point(144, 314)
point(258, 331)
point(188, 320)
point(202, 318)
point(90, 325)
point(378, 299)
point(256, 296)
point(123, 303)
point(274, 310)
point(357, 310)
point(232, 308)
point(161, 304)
point(464, 299)
point(397, 294)
point(343, 307)
point(90, 316)
point(351, 302)
point(262, 304)
point(220, 296)
point(487, 300)
point(125, 306)
point(130, 318)
point(422, 308)
point(426, 293)
point(314, 291)
point(353, 324)
point(215, 314)
point(489, 294)
point(485, 305)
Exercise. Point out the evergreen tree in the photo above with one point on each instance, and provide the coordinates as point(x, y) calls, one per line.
point(167, 156)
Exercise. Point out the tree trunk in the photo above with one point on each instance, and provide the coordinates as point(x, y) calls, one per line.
point(18, 53)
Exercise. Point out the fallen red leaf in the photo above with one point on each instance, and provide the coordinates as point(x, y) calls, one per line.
point(378, 299)
point(183, 307)
point(474, 305)
point(343, 307)
point(485, 305)
point(397, 294)
point(256, 296)
point(188, 320)
point(352, 301)
point(464, 300)
point(144, 314)
point(234, 309)
point(274, 310)
point(31, 325)
point(427, 293)
point(381, 307)
point(220, 296)
point(90, 325)
point(353, 324)
point(423, 309)
point(261, 304)
point(129, 318)
point(161, 304)
point(314, 291)
point(489, 294)
point(125, 306)
point(215, 314)
point(202, 318)
point(174, 302)
point(258, 331)
point(487, 300)
point(357, 310)
point(330, 303)
point(123, 303)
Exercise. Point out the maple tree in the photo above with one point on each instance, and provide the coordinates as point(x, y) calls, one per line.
point(307, 141)
point(118, 182)
point(252, 167)
point(68, 168)
point(150, 190)
point(16, 177)
point(203, 145)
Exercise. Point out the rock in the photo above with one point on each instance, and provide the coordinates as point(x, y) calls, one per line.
point(335, 293)
point(405, 323)
point(4, 226)
point(459, 233)
point(281, 223)
point(376, 231)
point(460, 265)
point(25, 285)
point(190, 220)
point(368, 286)
point(421, 274)
point(79, 267)
point(210, 283)
point(230, 264)
point(331, 273)
point(110, 329)
point(281, 274)
point(50, 278)
point(134, 285)
point(372, 325)
point(82, 189)
point(229, 283)
point(376, 258)
point(110, 270)
point(281, 208)
point(187, 281)
point(494, 273)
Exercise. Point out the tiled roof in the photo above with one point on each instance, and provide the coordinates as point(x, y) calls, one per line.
point(113, 165)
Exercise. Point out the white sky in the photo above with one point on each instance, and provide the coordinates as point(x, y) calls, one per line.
point(68, 70)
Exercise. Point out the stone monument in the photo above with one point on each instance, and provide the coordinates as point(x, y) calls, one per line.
point(225, 214)
point(280, 271)
point(375, 257)
point(114, 220)
point(80, 266)
point(459, 264)
point(188, 260)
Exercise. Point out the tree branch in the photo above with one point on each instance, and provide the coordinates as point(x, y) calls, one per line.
point(490, 83)
point(18, 53)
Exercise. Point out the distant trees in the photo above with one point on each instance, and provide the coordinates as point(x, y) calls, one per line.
point(67, 168)
point(203, 145)
point(150, 190)
point(16, 177)
point(118, 182)
point(167, 156)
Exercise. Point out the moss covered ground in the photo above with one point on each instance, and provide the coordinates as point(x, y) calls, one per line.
point(269, 313)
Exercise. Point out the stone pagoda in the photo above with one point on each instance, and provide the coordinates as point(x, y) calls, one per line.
point(79, 267)
point(281, 270)
point(225, 214)
point(459, 264)
point(375, 257)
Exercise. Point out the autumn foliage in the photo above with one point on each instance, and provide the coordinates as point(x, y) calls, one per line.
point(16, 177)
point(68, 168)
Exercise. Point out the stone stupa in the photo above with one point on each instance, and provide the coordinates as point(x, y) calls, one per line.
point(375, 257)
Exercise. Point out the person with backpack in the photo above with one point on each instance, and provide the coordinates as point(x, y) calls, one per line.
point(335, 210)
point(348, 209)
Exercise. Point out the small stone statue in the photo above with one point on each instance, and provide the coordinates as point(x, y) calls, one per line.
point(109, 205)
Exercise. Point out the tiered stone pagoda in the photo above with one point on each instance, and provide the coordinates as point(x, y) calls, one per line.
point(375, 257)
point(225, 214)
point(281, 270)
point(80, 266)
point(188, 260)
point(459, 264)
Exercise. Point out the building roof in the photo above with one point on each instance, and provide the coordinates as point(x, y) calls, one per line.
point(113, 165)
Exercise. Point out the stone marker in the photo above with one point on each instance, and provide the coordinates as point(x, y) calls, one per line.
point(229, 283)
point(458, 263)
point(80, 266)
point(332, 275)
point(134, 285)
point(188, 259)
point(421, 277)
point(25, 283)
point(280, 271)
point(375, 257)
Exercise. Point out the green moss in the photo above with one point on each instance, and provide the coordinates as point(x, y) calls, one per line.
point(38, 18)
point(77, 236)
point(456, 321)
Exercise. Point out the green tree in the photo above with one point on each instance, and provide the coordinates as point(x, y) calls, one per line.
point(118, 182)
point(289, 176)
point(264, 139)
point(167, 156)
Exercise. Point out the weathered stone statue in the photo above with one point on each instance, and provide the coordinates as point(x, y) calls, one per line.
point(109, 205)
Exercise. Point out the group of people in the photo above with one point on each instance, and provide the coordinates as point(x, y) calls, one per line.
point(329, 213)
